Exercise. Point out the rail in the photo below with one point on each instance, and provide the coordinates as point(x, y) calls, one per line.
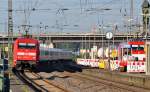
point(34, 81)
point(127, 87)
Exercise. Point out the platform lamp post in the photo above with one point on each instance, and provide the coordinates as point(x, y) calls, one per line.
point(109, 36)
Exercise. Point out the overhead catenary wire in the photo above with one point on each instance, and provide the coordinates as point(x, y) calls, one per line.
point(27, 7)
point(34, 6)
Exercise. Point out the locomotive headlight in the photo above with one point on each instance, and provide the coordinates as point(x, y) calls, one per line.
point(20, 53)
point(32, 54)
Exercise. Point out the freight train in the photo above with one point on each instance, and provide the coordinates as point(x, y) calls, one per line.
point(27, 52)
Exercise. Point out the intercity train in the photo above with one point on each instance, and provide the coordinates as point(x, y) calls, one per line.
point(27, 52)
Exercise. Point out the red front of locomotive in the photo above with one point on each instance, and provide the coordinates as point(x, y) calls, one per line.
point(26, 51)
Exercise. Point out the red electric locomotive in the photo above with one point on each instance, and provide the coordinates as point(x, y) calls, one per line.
point(25, 53)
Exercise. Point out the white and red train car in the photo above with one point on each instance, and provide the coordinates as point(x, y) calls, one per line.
point(27, 53)
point(132, 54)
point(137, 49)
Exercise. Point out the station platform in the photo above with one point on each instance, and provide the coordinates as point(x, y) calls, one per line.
point(134, 79)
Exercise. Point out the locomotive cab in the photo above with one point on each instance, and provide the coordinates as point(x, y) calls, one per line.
point(26, 52)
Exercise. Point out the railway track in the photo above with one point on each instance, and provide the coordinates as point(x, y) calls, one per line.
point(81, 81)
point(88, 72)
point(37, 83)
point(119, 86)
point(50, 83)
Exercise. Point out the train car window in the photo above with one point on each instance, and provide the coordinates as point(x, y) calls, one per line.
point(54, 53)
point(141, 47)
point(134, 47)
point(42, 53)
point(50, 53)
point(46, 53)
point(62, 54)
point(31, 45)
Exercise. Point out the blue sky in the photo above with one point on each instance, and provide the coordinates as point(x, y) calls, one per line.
point(69, 15)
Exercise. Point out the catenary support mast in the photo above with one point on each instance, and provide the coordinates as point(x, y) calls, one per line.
point(10, 29)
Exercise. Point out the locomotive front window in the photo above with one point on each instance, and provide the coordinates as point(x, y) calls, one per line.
point(31, 45)
point(26, 45)
point(137, 47)
point(22, 45)
point(134, 47)
point(141, 47)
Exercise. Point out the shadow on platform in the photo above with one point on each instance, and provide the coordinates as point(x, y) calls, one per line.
point(59, 67)
point(53, 77)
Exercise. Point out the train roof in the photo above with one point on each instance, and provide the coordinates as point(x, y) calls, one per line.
point(54, 49)
point(136, 42)
point(26, 40)
point(45, 47)
point(124, 45)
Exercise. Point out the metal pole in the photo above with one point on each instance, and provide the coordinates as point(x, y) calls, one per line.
point(10, 28)
point(3, 66)
point(102, 41)
point(109, 54)
point(82, 47)
point(131, 10)
point(131, 15)
point(10, 41)
point(147, 62)
point(89, 46)
point(113, 42)
point(146, 27)
point(85, 47)
point(102, 44)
